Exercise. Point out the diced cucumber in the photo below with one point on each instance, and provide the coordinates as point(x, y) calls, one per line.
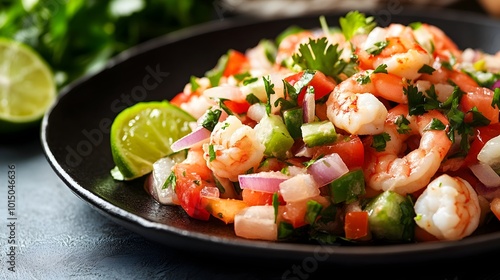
point(391, 216)
point(348, 187)
point(318, 133)
point(293, 120)
point(272, 132)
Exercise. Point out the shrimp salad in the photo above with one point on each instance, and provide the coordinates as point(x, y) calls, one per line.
point(355, 133)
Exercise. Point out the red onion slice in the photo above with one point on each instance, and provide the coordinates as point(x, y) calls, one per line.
point(327, 169)
point(486, 175)
point(268, 181)
point(309, 107)
point(195, 137)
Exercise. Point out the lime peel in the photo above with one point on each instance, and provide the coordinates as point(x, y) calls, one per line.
point(142, 134)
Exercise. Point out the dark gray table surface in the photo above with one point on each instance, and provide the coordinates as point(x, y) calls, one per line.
point(60, 236)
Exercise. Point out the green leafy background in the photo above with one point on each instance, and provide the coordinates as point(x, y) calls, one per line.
point(77, 37)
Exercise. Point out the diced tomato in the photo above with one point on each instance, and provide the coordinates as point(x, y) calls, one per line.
point(356, 225)
point(349, 148)
point(237, 107)
point(322, 85)
point(252, 197)
point(483, 135)
point(223, 209)
point(180, 98)
point(236, 63)
point(481, 98)
point(295, 212)
point(476, 96)
point(188, 187)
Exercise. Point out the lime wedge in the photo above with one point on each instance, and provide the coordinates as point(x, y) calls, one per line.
point(142, 134)
point(27, 86)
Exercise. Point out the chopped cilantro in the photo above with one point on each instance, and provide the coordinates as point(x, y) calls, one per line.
point(496, 98)
point(319, 55)
point(416, 100)
point(377, 48)
point(426, 69)
point(194, 83)
point(170, 181)
point(415, 25)
point(276, 204)
point(403, 125)
point(364, 79)
point(252, 99)
point(436, 124)
point(269, 86)
point(382, 68)
point(211, 118)
point(215, 74)
point(249, 80)
point(211, 152)
point(355, 23)
point(242, 76)
point(380, 141)
point(312, 212)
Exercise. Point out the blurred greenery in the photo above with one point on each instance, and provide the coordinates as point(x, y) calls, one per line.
point(77, 37)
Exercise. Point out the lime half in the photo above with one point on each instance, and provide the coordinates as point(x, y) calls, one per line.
point(142, 134)
point(27, 86)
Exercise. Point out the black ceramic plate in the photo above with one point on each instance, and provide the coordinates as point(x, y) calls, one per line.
point(75, 135)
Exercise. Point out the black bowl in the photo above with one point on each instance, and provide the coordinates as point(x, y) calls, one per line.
point(75, 136)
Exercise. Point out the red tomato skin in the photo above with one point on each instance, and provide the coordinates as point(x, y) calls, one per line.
point(349, 148)
point(483, 135)
point(322, 85)
point(188, 191)
point(237, 107)
point(356, 225)
point(252, 197)
point(180, 98)
point(236, 63)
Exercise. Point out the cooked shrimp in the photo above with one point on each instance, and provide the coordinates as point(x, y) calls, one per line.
point(233, 149)
point(435, 41)
point(386, 170)
point(354, 107)
point(402, 55)
point(290, 45)
point(448, 208)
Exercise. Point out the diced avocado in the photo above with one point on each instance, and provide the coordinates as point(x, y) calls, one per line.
point(348, 187)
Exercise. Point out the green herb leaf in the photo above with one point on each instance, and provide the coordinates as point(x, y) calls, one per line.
point(426, 69)
point(403, 125)
point(211, 118)
point(377, 48)
point(320, 55)
point(269, 86)
point(380, 141)
point(355, 23)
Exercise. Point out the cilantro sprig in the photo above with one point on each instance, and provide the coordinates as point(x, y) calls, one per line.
point(355, 23)
point(319, 54)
